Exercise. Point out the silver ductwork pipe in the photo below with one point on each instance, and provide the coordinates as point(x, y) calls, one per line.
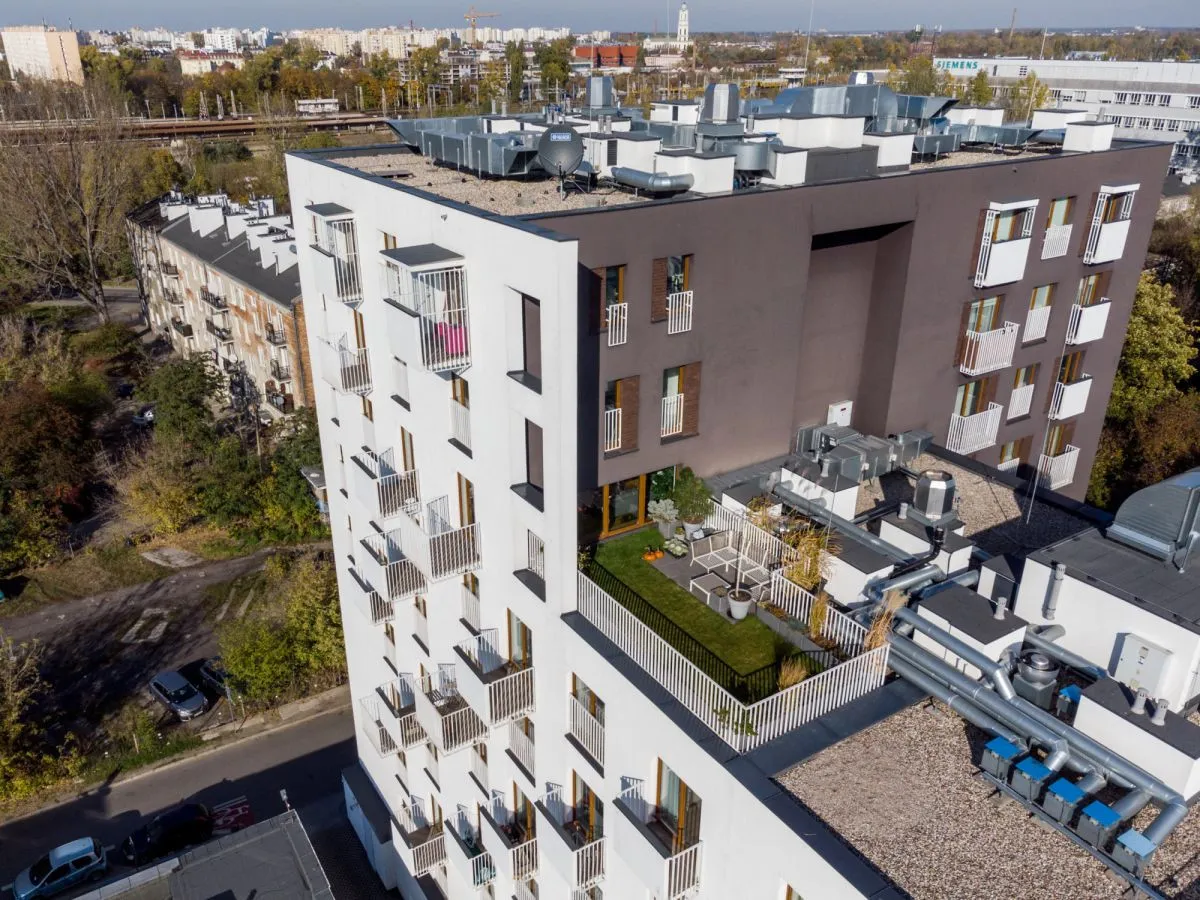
point(652, 181)
point(818, 512)
point(996, 672)
point(1045, 644)
point(968, 711)
point(1057, 573)
point(1091, 782)
point(1131, 804)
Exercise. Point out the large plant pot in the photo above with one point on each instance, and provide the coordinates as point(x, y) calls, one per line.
point(739, 604)
point(666, 529)
point(693, 530)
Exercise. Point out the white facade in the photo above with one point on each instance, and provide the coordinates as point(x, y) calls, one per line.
point(226, 39)
point(400, 400)
point(41, 52)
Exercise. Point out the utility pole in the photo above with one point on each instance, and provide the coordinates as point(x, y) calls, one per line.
point(1012, 27)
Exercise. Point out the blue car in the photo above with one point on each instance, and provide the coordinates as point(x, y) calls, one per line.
point(62, 868)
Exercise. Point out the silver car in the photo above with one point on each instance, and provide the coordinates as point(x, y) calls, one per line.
point(178, 695)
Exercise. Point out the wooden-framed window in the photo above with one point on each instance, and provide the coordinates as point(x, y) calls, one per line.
point(1060, 211)
point(520, 641)
point(1070, 367)
point(669, 275)
point(523, 815)
point(460, 390)
point(1026, 375)
point(587, 698)
point(589, 809)
point(677, 809)
point(389, 241)
point(368, 409)
point(1117, 207)
point(612, 289)
point(408, 455)
point(1093, 288)
point(1042, 296)
point(1006, 225)
point(1059, 437)
point(984, 314)
point(466, 501)
point(974, 396)
point(790, 893)
point(360, 330)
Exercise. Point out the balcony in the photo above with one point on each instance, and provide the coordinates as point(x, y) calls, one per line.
point(1087, 322)
point(383, 564)
point(975, 432)
point(1106, 240)
point(617, 322)
point(512, 845)
point(215, 300)
point(470, 609)
point(170, 270)
point(346, 370)
point(1036, 324)
point(1059, 471)
point(181, 327)
point(612, 430)
point(465, 852)
point(586, 729)
point(275, 335)
point(521, 748)
point(222, 334)
point(337, 263)
point(280, 370)
point(372, 716)
point(284, 403)
point(1070, 399)
point(438, 549)
point(400, 717)
point(173, 298)
point(578, 853)
point(644, 834)
point(987, 351)
point(424, 844)
point(377, 609)
point(672, 415)
point(1056, 242)
point(1004, 261)
point(679, 312)
point(1020, 401)
point(499, 688)
point(460, 425)
point(419, 282)
point(391, 493)
point(1009, 465)
point(444, 714)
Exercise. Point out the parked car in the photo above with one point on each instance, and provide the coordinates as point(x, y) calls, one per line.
point(62, 868)
point(178, 695)
point(168, 833)
point(214, 674)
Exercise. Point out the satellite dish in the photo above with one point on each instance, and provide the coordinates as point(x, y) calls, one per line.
point(560, 150)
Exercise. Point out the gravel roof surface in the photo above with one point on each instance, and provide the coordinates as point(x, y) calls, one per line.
point(906, 794)
point(509, 197)
point(993, 513)
point(980, 158)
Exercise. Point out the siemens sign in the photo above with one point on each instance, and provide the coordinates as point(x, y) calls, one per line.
point(963, 65)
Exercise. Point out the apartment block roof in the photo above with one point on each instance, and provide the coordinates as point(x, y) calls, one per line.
point(235, 259)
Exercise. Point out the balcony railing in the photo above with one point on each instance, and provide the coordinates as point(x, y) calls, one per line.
point(1106, 240)
point(377, 609)
point(1057, 241)
point(439, 550)
point(500, 689)
point(383, 564)
point(446, 717)
point(429, 854)
point(520, 745)
point(586, 729)
point(372, 718)
point(679, 312)
point(1087, 322)
point(1036, 324)
point(580, 856)
point(285, 403)
point(672, 415)
point(517, 848)
point(1070, 399)
point(173, 297)
point(348, 371)
point(392, 493)
point(617, 315)
point(1020, 401)
point(681, 868)
point(612, 430)
point(460, 424)
point(975, 432)
point(280, 370)
point(396, 697)
point(437, 298)
point(1009, 465)
point(987, 351)
point(221, 333)
point(743, 727)
point(465, 852)
point(1003, 262)
point(1059, 471)
point(470, 608)
point(170, 270)
point(275, 334)
point(181, 327)
point(215, 300)
point(337, 239)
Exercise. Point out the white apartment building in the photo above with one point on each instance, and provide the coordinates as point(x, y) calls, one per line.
point(39, 51)
point(226, 40)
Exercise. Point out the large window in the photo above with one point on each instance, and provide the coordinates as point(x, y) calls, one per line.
point(677, 810)
point(1119, 207)
point(972, 397)
point(520, 641)
point(1060, 211)
point(587, 698)
point(679, 269)
point(1007, 225)
point(1042, 296)
point(1070, 369)
point(1091, 289)
point(983, 315)
point(589, 811)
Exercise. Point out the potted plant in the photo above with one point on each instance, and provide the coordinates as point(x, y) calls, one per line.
point(740, 602)
point(692, 500)
point(664, 514)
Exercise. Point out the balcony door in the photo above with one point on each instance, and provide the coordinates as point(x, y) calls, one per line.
point(587, 698)
point(677, 809)
point(973, 397)
point(589, 810)
point(1060, 211)
point(523, 817)
point(984, 315)
point(1070, 368)
point(466, 501)
point(1093, 288)
point(1059, 437)
point(520, 642)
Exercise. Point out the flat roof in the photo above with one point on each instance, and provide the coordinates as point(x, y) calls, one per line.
point(422, 255)
point(905, 794)
point(327, 209)
point(1176, 731)
point(1153, 584)
point(971, 613)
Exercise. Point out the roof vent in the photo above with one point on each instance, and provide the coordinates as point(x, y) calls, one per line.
point(933, 497)
point(721, 104)
point(1162, 520)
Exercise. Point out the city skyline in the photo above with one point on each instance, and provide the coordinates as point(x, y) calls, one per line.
point(622, 15)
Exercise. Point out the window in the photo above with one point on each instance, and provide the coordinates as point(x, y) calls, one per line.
point(1194, 102)
point(408, 455)
point(1059, 437)
point(466, 501)
point(360, 330)
point(523, 818)
point(368, 409)
point(389, 241)
point(982, 315)
point(1070, 369)
point(535, 467)
point(1024, 376)
point(973, 397)
point(1135, 99)
point(1042, 296)
point(790, 893)
point(589, 810)
point(389, 633)
point(401, 386)
point(677, 810)
point(1143, 123)
point(1160, 125)
point(531, 336)
point(1091, 288)
point(587, 698)
point(672, 381)
point(1164, 99)
point(1060, 211)
point(460, 390)
point(679, 270)
point(1117, 208)
point(1006, 225)
point(1010, 451)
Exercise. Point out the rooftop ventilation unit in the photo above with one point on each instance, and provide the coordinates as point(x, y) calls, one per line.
point(933, 498)
point(600, 92)
point(1162, 520)
point(721, 105)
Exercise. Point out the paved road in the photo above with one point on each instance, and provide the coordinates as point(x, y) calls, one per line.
point(306, 759)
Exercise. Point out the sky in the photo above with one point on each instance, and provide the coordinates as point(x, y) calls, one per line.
point(613, 15)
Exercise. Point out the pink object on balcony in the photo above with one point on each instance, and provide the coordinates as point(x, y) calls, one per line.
point(453, 338)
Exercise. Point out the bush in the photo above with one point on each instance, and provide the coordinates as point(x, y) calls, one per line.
point(691, 496)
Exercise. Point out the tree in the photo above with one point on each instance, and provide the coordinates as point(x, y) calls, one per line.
point(257, 654)
point(554, 59)
point(64, 191)
point(1159, 349)
point(920, 76)
point(425, 68)
point(314, 618)
point(182, 391)
point(28, 756)
point(514, 55)
point(43, 451)
point(1025, 96)
point(157, 490)
point(979, 90)
point(29, 532)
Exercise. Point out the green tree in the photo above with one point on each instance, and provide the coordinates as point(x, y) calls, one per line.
point(161, 173)
point(425, 68)
point(979, 90)
point(554, 59)
point(158, 490)
point(28, 756)
point(1025, 96)
point(257, 654)
point(182, 392)
point(514, 55)
point(314, 618)
point(920, 76)
point(1158, 353)
point(29, 532)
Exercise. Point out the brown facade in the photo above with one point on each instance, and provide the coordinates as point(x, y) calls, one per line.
point(850, 291)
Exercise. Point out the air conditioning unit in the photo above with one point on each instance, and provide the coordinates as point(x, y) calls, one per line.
point(1143, 664)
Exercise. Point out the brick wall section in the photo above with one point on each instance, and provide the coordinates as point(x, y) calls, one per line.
point(297, 331)
point(691, 398)
point(630, 406)
point(658, 291)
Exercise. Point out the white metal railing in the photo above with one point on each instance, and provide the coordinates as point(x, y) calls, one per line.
point(612, 430)
point(754, 543)
point(339, 239)
point(470, 607)
point(1091, 252)
point(411, 818)
point(437, 549)
point(521, 745)
point(401, 578)
point(1036, 324)
point(429, 854)
point(1059, 471)
point(440, 298)
point(587, 861)
point(448, 720)
point(1009, 465)
point(377, 609)
point(985, 248)
point(397, 285)
point(1070, 399)
point(509, 696)
point(617, 315)
point(374, 728)
point(682, 869)
point(1020, 401)
point(535, 554)
point(742, 727)
point(672, 415)
point(679, 312)
point(1087, 322)
point(460, 423)
point(348, 371)
point(849, 636)
point(522, 891)
point(483, 870)
point(438, 874)
point(398, 493)
point(525, 860)
point(479, 768)
point(586, 729)
point(411, 732)
point(1057, 242)
point(987, 351)
point(970, 433)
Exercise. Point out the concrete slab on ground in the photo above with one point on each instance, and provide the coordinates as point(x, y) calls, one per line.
point(172, 557)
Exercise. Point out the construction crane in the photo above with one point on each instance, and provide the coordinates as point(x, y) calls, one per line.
point(473, 16)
